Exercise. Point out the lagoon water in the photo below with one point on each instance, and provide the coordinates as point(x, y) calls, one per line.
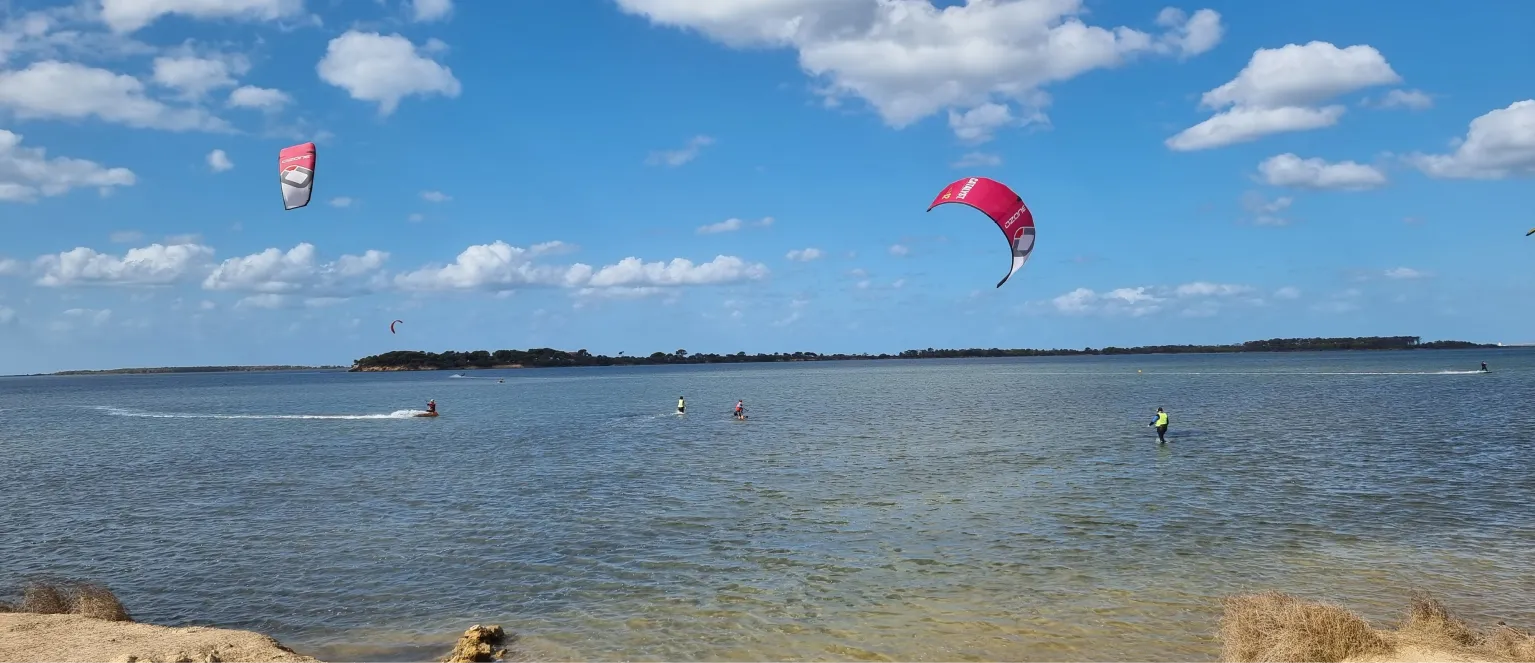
point(1009, 509)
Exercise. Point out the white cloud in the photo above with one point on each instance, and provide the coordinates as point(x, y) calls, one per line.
point(1413, 99)
point(1266, 212)
point(1498, 144)
point(130, 15)
point(341, 201)
point(1280, 90)
point(384, 69)
point(9, 267)
point(553, 248)
point(430, 10)
point(1199, 298)
point(156, 264)
point(97, 317)
point(733, 224)
point(219, 162)
point(1289, 170)
point(298, 270)
point(910, 60)
point(501, 266)
point(1287, 292)
point(435, 196)
point(61, 90)
point(496, 266)
point(980, 124)
point(804, 255)
point(266, 99)
point(26, 173)
point(978, 160)
point(678, 157)
point(194, 76)
point(1405, 273)
point(899, 250)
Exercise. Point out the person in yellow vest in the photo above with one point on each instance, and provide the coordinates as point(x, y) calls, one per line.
point(1161, 424)
point(682, 405)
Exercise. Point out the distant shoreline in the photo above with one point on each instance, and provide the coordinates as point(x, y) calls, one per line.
point(411, 360)
point(188, 369)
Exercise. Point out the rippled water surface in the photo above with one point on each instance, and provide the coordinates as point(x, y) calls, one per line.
point(1012, 509)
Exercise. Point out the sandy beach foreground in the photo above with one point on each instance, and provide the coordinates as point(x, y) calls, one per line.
point(1254, 627)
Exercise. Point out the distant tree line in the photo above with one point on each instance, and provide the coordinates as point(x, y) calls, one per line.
point(197, 369)
point(412, 360)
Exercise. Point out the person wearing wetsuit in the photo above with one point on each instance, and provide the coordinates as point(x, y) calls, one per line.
point(682, 405)
point(1484, 368)
point(740, 409)
point(1161, 425)
point(431, 406)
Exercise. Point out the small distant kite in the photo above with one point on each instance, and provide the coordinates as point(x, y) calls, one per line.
point(1004, 207)
point(296, 173)
point(1531, 232)
point(392, 324)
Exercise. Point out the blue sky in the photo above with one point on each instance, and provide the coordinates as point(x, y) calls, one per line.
point(646, 175)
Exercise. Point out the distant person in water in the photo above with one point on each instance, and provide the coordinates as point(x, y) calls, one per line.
point(682, 405)
point(1161, 425)
point(1484, 368)
point(740, 409)
point(431, 406)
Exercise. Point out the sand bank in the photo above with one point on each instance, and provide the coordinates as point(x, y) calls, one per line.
point(26, 637)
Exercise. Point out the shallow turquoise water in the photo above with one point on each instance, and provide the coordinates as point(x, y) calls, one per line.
point(1014, 509)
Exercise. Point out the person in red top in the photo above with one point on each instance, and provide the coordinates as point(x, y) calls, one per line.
point(740, 409)
point(431, 406)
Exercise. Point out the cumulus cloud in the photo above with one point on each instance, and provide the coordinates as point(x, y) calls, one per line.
point(501, 266)
point(1405, 273)
point(733, 224)
point(341, 201)
point(1412, 99)
point(265, 99)
point(125, 16)
point(978, 160)
point(219, 162)
point(1282, 90)
point(435, 196)
point(980, 124)
point(1201, 298)
point(385, 69)
point(681, 156)
point(26, 173)
point(70, 91)
point(1287, 292)
point(909, 59)
point(425, 11)
point(1498, 145)
point(1289, 170)
point(1265, 212)
point(899, 250)
point(299, 270)
point(804, 255)
point(195, 76)
point(153, 265)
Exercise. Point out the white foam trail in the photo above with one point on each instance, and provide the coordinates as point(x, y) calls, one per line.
point(124, 412)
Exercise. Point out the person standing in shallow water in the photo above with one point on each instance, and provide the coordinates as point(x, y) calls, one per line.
point(1161, 425)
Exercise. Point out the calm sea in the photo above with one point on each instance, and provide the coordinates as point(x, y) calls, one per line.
point(1015, 509)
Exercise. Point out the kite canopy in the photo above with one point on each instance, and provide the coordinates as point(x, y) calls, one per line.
point(1005, 208)
point(392, 324)
point(296, 173)
point(1531, 232)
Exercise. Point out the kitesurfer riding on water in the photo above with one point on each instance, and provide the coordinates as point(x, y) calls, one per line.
point(682, 405)
point(431, 406)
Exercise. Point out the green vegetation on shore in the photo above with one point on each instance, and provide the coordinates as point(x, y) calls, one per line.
point(412, 360)
point(197, 369)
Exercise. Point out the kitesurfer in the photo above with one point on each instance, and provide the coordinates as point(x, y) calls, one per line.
point(431, 406)
point(1484, 368)
point(682, 405)
point(1161, 425)
point(740, 409)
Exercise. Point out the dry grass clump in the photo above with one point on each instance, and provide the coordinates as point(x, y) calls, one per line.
point(89, 599)
point(1277, 627)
